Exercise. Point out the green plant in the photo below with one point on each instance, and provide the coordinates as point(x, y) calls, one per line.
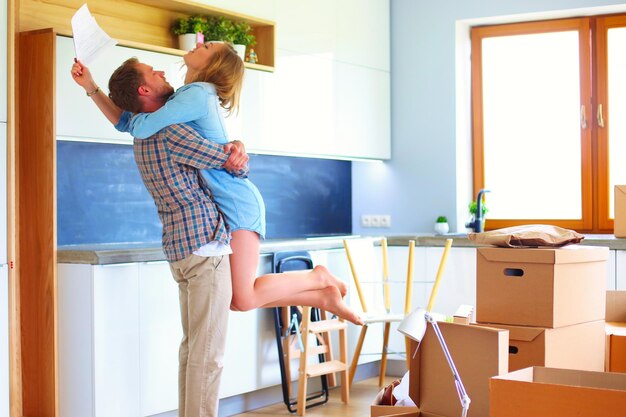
point(191, 24)
point(473, 208)
point(215, 28)
point(218, 29)
point(241, 33)
point(442, 219)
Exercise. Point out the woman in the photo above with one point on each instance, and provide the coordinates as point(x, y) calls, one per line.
point(213, 81)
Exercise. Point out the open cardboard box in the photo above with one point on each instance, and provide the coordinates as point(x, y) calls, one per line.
point(550, 392)
point(547, 287)
point(478, 353)
point(616, 331)
point(579, 346)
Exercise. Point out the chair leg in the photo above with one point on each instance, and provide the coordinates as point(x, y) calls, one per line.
point(332, 379)
point(302, 376)
point(383, 360)
point(357, 353)
point(343, 356)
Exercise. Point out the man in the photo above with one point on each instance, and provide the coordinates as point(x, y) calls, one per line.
point(195, 237)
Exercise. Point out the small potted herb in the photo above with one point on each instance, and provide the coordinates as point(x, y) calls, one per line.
point(187, 29)
point(441, 226)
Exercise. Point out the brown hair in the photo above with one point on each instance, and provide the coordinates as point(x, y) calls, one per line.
point(123, 86)
point(225, 70)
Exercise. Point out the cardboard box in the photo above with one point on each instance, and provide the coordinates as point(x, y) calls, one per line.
point(551, 392)
point(580, 346)
point(550, 287)
point(619, 223)
point(389, 411)
point(616, 331)
point(478, 353)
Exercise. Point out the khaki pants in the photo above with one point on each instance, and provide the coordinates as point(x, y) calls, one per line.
point(205, 291)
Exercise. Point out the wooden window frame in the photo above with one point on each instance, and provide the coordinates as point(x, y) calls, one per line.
point(582, 25)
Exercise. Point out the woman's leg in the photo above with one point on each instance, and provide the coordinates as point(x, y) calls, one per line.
point(250, 292)
point(328, 299)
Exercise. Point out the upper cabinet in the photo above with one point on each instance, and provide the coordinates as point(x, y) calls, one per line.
point(348, 31)
point(3, 61)
point(151, 23)
point(328, 96)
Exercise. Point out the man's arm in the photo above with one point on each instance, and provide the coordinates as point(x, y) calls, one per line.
point(189, 148)
point(82, 76)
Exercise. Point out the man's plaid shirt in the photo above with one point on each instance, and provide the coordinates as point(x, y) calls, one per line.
point(169, 164)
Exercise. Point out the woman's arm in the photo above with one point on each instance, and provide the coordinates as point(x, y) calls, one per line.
point(188, 104)
point(189, 148)
point(82, 76)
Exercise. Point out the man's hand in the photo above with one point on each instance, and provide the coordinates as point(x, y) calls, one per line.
point(82, 76)
point(238, 158)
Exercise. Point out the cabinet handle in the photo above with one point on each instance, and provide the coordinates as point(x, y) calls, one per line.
point(599, 116)
point(583, 117)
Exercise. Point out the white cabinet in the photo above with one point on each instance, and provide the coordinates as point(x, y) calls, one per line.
point(320, 29)
point(620, 270)
point(3, 61)
point(4, 341)
point(315, 106)
point(611, 270)
point(328, 97)
point(3, 193)
point(159, 338)
point(77, 116)
point(98, 328)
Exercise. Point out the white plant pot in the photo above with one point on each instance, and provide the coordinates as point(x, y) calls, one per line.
point(441, 228)
point(187, 41)
point(241, 51)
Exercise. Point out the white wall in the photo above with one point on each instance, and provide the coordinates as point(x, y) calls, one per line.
point(429, 173)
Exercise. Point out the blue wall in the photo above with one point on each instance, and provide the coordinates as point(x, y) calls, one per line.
point(101, 198)
point(429, 173)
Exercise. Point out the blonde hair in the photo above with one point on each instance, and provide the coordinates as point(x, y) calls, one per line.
point(225, 71)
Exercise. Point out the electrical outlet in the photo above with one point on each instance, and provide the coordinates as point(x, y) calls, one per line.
point(375, 221)
point(385, 221)
point(366, 220)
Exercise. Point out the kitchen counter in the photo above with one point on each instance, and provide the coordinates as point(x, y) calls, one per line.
point(106, 254)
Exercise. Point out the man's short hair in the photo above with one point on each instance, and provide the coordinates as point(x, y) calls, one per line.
point(123, 86)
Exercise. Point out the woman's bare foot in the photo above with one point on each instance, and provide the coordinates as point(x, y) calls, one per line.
point(329, 279)
point(333, 303)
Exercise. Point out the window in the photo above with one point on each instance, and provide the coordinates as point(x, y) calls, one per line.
point(541, 100)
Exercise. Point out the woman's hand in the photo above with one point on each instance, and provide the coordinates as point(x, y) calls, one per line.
point(238, 158)
point(82, 76)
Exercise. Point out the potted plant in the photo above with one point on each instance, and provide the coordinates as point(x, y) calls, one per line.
point(241, 36)
point(187, 29)
point(441, 226)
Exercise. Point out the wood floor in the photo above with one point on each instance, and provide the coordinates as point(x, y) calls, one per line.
point(362, 395)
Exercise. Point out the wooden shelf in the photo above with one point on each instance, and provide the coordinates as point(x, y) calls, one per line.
point(151, 28)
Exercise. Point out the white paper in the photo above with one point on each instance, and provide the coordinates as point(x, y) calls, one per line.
point(401, 392)
point(89, 39)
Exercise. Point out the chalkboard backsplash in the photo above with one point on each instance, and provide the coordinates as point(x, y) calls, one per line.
point(101, 198)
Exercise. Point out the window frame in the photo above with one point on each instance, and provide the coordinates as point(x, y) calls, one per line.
point(583, 26)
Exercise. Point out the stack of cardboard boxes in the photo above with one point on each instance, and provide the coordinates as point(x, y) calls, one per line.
point(552, 302)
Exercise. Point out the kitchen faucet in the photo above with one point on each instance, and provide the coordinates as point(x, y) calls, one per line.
point(477, 224)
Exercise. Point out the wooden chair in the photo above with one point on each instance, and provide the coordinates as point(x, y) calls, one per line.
point(376, 304)
point(320, 330)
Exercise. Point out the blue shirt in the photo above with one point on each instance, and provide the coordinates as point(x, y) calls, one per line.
point(197, 105)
